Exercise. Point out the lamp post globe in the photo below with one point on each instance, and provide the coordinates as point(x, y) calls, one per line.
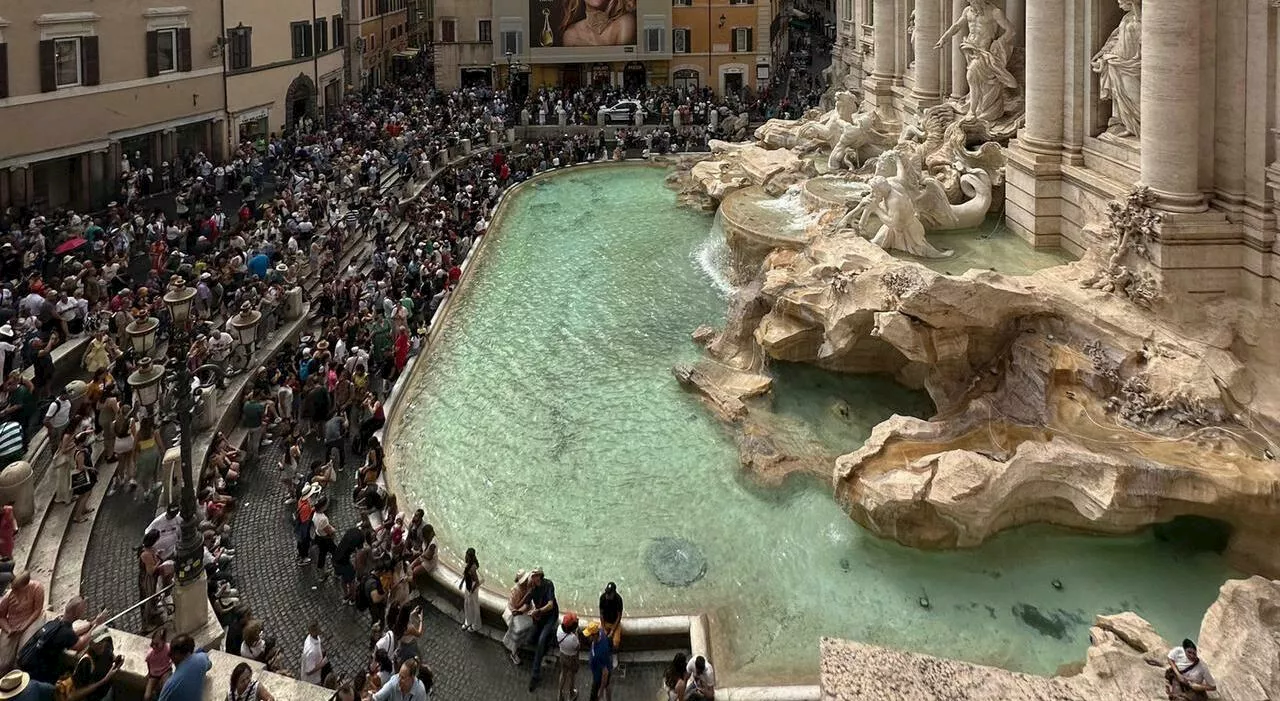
point(142, 335)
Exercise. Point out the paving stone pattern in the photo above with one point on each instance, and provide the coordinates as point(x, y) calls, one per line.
point(287, 596)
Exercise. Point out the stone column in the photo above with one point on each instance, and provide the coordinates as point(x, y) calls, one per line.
point(1045, 79)
point(170, 145)
point(1016, 12)
point(1171, 104)
point(959, 85)
point(928, 29)
point(98, 176)
point(886, 40)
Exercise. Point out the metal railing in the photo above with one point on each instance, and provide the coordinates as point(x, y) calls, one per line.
point(136, 606)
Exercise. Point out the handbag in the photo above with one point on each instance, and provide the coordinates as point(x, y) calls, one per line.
point(83, 480)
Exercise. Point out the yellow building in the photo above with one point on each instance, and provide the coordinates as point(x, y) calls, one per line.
point(384, 35)
point(284, 60)
point(721, 43)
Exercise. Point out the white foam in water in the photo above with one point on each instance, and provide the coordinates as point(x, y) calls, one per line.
point(791, 203)
point(713, 257)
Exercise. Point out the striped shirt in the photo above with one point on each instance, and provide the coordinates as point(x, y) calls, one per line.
point(353, 219)
point(10, 438)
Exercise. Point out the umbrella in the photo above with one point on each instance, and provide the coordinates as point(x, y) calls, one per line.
point(69, 246)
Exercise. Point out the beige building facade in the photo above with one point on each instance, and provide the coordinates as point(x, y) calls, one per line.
point(463, 44)
point(284, 61)
point(85, 84)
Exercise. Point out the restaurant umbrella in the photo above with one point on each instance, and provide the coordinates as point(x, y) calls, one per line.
point(69, 246)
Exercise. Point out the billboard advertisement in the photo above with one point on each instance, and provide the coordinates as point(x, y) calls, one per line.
point(576, 23)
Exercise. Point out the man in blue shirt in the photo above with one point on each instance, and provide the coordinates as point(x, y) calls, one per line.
point(405, 686)
point(258, 265)
point(189, 667)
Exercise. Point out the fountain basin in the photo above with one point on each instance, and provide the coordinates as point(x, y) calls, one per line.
point(543, 427)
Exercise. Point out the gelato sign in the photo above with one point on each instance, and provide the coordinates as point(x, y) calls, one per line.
point(572, 23)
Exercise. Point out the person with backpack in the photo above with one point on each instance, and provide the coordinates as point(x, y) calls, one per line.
point(41, 656)
point(83, 476)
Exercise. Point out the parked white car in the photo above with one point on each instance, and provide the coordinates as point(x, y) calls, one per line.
point(624, 111)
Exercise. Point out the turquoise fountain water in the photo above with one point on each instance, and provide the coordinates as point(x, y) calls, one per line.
point(547, 429)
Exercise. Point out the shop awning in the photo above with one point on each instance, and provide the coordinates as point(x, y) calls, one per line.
point(409, 53)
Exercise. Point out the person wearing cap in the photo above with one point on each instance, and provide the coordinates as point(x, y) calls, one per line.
point(611, 613)
point(1188, 676)
point(569, 642)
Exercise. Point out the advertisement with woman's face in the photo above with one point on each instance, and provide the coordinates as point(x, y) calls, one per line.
point(568, 23)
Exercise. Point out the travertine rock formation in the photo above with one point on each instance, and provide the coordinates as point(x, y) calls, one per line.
point(1238, 640)
point(1057, 404)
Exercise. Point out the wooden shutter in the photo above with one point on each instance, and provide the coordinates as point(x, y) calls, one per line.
point(751, 46)
point(153, 54)
point(89, 60)
point(48, 69)
point(184, 49)
point(4, 71)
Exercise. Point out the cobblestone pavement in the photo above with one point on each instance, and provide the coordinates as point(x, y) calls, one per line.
point(286, 596)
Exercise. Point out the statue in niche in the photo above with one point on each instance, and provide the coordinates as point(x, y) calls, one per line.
point(1119, 67)
point(911, 39)
point(986, 50)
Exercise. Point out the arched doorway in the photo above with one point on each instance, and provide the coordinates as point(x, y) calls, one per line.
point(634, 76)
point(685, 80)
point(300, 99)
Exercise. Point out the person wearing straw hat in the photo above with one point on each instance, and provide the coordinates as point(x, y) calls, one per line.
point(19, 686)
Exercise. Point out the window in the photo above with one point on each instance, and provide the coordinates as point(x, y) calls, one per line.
point(448, 31)
point(653, 39)
point(240, 48)
point(300, 33)
point(685, 79)
point(485, 31)
point(680, 41)
point(741, 39)
point(339, 31)
point(513, 43)
point(66, 62)
point(321, 31)
point(682, 3)
point(166, 50)
point(4, 70)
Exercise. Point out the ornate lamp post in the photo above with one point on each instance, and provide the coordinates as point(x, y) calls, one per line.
point(142, 335)
point(244, 327)
point(148, 383)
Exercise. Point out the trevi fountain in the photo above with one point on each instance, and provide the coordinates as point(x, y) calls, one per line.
point(1128, 384)
point(971, 393)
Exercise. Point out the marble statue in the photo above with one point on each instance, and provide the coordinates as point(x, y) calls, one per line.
point(986, 50)
point(900, 226)
point(851, 134)
point(1119, 67)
